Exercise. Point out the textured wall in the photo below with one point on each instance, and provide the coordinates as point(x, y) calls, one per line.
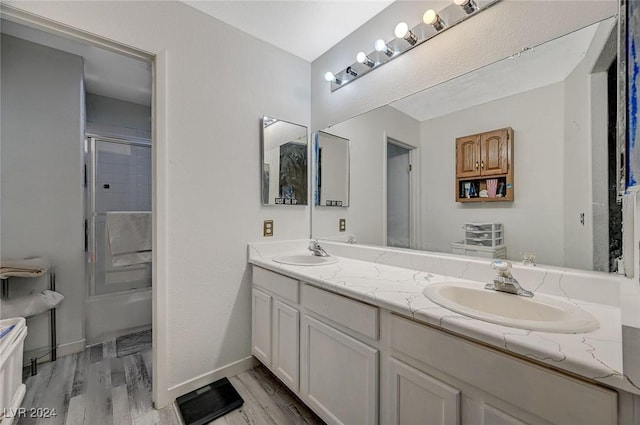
point(213, 84)
point(41, 176)
point(113, 117)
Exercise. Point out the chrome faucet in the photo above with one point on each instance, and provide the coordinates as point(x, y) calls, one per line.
point(317, 250)
point(504, 281)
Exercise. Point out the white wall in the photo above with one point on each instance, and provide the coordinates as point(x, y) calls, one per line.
point(213, 84)
point(534, 221)
point(107, 116)
point(586, 159)
point(494, 34)
point(367, 136)
point(41, 185)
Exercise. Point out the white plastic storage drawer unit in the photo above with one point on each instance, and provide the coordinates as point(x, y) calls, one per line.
point(11, 387)
point(484, 234)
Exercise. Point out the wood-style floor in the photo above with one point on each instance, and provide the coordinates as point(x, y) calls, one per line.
point(266, 402)
point(96, 387)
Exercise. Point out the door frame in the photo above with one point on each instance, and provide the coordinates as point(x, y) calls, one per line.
point(414, 190)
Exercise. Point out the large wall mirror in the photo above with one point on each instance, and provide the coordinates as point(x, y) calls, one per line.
point(284, 163)
point(560, 100)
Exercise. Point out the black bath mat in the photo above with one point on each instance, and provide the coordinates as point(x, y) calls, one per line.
point(209, 402)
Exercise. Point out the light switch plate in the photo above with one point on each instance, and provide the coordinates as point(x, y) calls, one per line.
point(342, 224)
point(267, 228)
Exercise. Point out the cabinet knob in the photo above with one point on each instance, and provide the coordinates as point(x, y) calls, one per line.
point(482, 165)
point(476, 165)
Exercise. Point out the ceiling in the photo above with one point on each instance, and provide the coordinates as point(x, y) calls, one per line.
point(305, 28)
point(105, 73)
point(541, 66)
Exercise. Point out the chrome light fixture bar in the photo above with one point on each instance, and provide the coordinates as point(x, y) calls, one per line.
point(408, 38)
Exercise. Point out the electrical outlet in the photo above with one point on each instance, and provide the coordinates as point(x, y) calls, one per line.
point(267, 228)
point(342, 225)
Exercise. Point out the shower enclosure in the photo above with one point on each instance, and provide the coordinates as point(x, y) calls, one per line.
point(118, 179)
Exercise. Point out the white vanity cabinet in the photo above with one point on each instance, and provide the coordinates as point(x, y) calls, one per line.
point(339, 375)
point(275, 325)
point(494, 387)
point(261, 325)
point(339, 371)
point(355, 363)
point(415, 397)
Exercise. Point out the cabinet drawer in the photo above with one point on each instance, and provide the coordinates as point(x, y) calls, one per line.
point(552, 396)
point(277, 284)
point(354, 315)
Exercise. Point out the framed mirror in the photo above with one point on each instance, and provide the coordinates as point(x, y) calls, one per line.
point(284, 162)
point(560, 100)
point(331, 170)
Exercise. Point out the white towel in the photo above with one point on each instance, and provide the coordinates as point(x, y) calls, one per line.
point(129, 235)
point(27, 267)
point(30, 305)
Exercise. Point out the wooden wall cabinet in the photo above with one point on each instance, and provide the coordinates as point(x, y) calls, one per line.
point(484, 156)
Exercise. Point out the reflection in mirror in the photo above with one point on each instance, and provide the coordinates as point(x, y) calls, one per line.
point(331, 178)
point(284, 163)
point(560, 100)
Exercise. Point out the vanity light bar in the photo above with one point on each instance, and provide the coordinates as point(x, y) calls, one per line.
point(432, 24)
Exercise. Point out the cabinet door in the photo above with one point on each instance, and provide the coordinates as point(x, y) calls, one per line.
point(467, 156)
point(493, 416)
point(261, 326)
point(417, 398)
point(286, 344)
point(494, 158)
point(339, 375)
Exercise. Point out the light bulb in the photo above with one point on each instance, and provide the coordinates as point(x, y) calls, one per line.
point(381, 46)
point(332, 78)
point(401, 30)
point(467, 5)
point(362, 58)
point(430, 17)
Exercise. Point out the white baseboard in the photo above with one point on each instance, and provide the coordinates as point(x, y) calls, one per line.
point(63, 350)
point(209, 377)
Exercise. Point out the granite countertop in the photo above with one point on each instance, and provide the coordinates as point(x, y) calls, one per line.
point(595, 355)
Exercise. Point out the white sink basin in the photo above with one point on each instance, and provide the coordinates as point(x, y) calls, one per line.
point(540, 313)
point(305, 260)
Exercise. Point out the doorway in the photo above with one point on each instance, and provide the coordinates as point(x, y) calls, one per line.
point(103, 88)
point(399, 202)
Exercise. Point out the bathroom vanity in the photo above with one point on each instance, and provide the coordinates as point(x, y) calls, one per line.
point(359, 343)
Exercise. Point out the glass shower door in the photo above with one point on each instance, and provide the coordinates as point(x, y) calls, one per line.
point(119, 174)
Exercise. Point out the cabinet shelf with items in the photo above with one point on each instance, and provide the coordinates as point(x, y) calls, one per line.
point(484, 167)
